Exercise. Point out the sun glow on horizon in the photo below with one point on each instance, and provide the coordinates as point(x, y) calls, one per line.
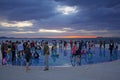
point(69, 37)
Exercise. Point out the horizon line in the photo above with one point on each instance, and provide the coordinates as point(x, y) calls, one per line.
point(53, 37)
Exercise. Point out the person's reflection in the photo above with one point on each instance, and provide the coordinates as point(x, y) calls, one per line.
point(104, 52)
point(54, 54)
point(65, 52)
point(100, 52)
point(116, 50)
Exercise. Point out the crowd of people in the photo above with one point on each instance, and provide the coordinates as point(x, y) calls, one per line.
point(12, 50)
point(23, 50)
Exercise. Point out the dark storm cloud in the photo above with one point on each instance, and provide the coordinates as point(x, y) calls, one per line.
point(92, 8)
point(96, 8)
point(26, 9)
point(91, 3)
point(96, 14)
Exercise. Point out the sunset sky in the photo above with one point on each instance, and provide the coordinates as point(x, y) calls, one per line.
point(60, 18)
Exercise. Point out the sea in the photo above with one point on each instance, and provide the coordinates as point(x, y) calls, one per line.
point(96, 40)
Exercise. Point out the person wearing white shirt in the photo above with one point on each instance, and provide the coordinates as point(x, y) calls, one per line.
point(20, 49)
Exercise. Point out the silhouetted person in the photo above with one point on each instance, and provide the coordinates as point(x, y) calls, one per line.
point(111, 46)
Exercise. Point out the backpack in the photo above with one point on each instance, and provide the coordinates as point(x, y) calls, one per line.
point(36, 55)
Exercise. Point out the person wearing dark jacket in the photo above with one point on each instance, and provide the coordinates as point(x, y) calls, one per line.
point(27, 56)
point(46, 53)
point(13, 52)
point(2, 51)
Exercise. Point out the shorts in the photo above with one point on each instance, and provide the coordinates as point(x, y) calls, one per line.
point(27, 59)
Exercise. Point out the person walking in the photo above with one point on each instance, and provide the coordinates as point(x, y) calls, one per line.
point(46, 54)
point(27, 56)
